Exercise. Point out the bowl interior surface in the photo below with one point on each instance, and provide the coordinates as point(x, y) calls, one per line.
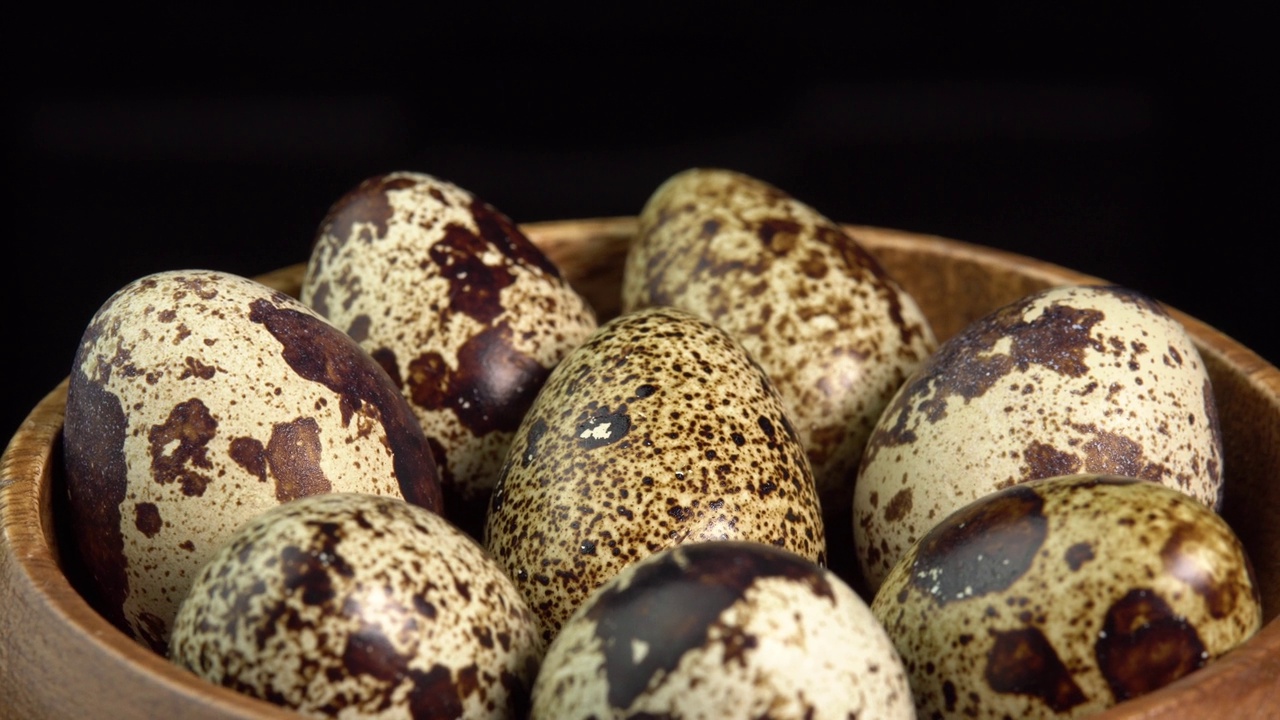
point(60, 658)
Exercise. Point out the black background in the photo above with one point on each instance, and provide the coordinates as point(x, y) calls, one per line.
point(1128, 146)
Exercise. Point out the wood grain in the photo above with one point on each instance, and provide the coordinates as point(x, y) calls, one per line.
point(59, 658)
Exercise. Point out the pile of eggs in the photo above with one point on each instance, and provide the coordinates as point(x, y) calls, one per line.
point(436, 485)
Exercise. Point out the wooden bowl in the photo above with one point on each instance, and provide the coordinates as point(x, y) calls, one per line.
point(59, 658)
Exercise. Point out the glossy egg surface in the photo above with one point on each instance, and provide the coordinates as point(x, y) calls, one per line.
point(359, 606)
point(1063, 596)
point(658, 430)
point(1077, 379)
point(199, 399)
point(723, 630)
point(834, 332)
point(463, 312)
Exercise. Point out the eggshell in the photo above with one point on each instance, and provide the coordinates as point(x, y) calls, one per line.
point(835, 333)
point(723, 630)
point(1083, 379)
point(460, 308)
point(1063, 596)
point(358, 606)
point(199, 399)
point(658, 430)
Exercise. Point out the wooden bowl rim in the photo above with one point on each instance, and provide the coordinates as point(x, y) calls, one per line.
point(25, 511)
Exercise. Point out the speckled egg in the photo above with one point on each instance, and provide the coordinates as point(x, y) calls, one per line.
point(459, 307)
point(723, 630)
point(1063, 596)
point(357, 606)
point(1082, 379)
point(835, 333)
point(199, 399)
point(658, 430)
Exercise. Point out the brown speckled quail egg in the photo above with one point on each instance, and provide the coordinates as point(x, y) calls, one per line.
point(358, 606)
point(1081, 379)
point(723, 630)
point(658, 430)
point(835, 333)
point(1063, 596)
point(199, 399)
point(461, 309)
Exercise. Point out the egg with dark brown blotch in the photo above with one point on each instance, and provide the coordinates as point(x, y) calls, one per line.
point(723, 630)
point(658, 430)
point(199, 399)
point(358, 606)
point(1063, 596)
point(836, 334)
point(1077, 379)
point(460, 308)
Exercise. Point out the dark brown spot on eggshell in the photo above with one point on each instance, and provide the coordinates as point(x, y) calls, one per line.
point(93, 442)
point(536, 431)
point(307, 574)
point(702, 580)
point(434, 694)
point(1077, 555)
point(500, 232)
point(293, 454)
point(1182, 561)
point(199, 285)
point(1055, 340)
point(1145, 645)
point(1114, 454)
point(366, 205)
point(490, 390)
point(778, 234)
point(179, 447)
point(1023, 662)
point(370, 652)
point(320, 299)
point(1045, 461)
point(475, 287)
point(147, 519)
point(982, 548)
point(317, 353)
point(152, 630)
point(359, 328)
point(386, 358)
point(249, 454)
point(196, 369)
point(898, 506)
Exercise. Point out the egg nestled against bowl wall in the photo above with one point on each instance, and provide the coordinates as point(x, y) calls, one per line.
point(658, 430)
point(834, 332)
point(199, 399)
point(1080, 379)
point(463, 312)
point(357, 606)
point(1063, 596)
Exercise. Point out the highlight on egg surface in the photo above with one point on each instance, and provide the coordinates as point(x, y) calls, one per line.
point(199, 399)
point(722, 630)
point(1075, 379)
point(658, 430)
point(358, 606)
point(1063, 596)
point(464, 313)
